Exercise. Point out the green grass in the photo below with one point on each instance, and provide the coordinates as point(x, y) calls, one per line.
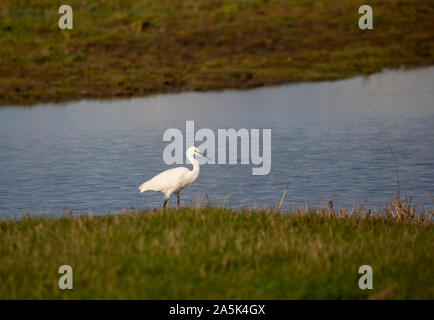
point(123, 48)
point(216, 253)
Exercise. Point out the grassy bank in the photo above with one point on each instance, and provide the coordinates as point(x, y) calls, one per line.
point(123, 48)
point(217, 253)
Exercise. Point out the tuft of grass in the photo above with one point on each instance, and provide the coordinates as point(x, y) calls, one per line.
point(123, 48)
point(218, 253)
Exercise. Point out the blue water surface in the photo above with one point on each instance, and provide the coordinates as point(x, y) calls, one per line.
point(329, 140)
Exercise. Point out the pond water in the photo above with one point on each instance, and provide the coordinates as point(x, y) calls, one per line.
point(329, 140)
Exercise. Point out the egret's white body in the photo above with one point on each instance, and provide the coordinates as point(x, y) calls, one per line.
point(174, 180)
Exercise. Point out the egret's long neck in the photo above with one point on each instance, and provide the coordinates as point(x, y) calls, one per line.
point(196, 167)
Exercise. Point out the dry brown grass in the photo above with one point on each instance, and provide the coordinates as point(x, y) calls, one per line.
point(123, 48)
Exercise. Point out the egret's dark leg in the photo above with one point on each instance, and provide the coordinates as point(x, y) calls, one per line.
point(165, 203)
point(178, 200)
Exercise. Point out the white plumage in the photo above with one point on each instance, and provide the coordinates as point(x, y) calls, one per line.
point(174, 180)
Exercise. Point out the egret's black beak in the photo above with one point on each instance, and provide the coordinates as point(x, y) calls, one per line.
point(201, 154)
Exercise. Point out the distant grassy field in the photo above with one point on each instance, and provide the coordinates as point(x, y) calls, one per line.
point(123, 48)
point(217, 253)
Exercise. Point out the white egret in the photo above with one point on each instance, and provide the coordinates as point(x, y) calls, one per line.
point(174, 180)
